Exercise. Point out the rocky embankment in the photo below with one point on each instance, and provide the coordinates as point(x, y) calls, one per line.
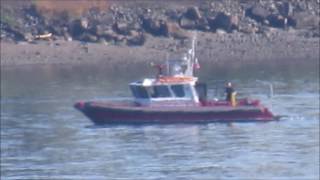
point(227, 29)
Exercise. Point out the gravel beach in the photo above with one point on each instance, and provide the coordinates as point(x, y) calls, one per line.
point(211, 48)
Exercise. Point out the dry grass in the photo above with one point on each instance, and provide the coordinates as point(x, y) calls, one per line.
point(73, 7)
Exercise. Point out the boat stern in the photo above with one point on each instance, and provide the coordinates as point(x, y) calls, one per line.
point(267, 115)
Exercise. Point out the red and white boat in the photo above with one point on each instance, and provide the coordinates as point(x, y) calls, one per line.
point(174, 96)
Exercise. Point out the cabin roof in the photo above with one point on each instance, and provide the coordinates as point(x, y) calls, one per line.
point(166, 80)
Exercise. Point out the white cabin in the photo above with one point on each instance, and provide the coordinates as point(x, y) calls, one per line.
point(151, 91)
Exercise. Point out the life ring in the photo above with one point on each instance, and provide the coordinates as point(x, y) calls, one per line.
point(175, 79)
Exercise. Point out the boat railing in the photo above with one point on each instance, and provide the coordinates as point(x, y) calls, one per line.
point(217, 89)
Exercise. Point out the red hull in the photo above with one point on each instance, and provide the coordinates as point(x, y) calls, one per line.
point(128, 113)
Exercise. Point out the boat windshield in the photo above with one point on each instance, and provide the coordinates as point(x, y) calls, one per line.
point(162, 91)
point(178, 90)
point(174, 91)
point(139, 92)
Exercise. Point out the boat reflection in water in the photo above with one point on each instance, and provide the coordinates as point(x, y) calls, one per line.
point(174, 96)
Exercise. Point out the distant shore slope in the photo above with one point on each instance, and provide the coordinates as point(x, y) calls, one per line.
point(92, 31)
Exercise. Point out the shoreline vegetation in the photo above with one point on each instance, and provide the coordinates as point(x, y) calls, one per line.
point(126, 32)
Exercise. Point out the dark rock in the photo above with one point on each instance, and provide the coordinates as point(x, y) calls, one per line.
point(301, 6)
point(14, 33)
point(32, 10)
point(150, 25)
point(138, 39)
point(78, 27)
point(109, 35)
point(304, 20)
point(200, 24)
point(187, 23)
point(316, 33)
point(58, 25)
point(192, 19)
point(120, 40)
point(286, 9)
point(172, 14)
point(193, 13)
point(203, 24)
point(122, 28)
point(176, 32)
point(249, 29)
point(84, 23)
point(164, 29)
point(92, 24)
point(28, 37)
point(33, 15)
point(99, 29)
point(155, 27)
point(258, 13)
point(277, 21)
point(40, 29)
point(88, 37)
point(225, 22)
point(102, 40)
point(57, 30)
point(67, 36)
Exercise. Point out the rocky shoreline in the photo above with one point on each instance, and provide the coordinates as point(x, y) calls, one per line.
point(148, 31)
point(215, 49)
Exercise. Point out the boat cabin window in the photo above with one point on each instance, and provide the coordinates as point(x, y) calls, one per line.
point(160, 91)
point(139, 92)
point(178, 90)
point(187, 91)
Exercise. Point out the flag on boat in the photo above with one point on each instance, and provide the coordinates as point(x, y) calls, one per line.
point(196, 64)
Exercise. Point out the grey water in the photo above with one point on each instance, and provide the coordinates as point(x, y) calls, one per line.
point(44, 137)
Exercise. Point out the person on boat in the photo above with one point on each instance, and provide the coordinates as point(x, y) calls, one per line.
point(160, 68)
point(229, 91)
point(231, 95)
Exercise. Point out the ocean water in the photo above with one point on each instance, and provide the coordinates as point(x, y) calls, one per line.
point(44, 137)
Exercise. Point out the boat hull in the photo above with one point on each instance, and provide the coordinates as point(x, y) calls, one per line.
point(121, 113)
